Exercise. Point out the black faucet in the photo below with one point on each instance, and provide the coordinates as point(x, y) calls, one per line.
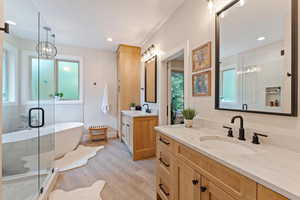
point(147, 109)
point(241, 130)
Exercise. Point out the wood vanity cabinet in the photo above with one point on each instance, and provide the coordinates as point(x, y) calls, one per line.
point(139, 136)
point(185, 174)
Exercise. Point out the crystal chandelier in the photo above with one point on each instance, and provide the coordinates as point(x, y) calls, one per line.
point(46, 49)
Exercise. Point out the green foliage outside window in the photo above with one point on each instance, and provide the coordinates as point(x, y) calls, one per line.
point(177, 91)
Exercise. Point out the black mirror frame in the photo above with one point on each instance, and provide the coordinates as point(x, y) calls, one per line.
point(294, 67)
point(145, 99)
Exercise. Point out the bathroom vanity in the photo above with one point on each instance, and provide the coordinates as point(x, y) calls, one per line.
point(137, 132)
point(202, 164)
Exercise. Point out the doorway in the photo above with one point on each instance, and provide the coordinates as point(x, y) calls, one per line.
point(176, 89)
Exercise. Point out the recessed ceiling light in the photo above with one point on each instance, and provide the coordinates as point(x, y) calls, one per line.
point(109, 39)
point(261, 38)
point(11, 22)
point(242, 3)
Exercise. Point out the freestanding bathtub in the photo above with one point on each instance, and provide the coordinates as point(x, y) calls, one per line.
point(60, 138)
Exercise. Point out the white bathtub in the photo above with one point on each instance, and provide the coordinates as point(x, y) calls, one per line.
point(20, 144)
point(67, 137)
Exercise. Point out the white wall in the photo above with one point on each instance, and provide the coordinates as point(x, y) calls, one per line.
point(97, 67)
point(194, 23)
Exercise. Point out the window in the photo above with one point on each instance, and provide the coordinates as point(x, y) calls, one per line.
point(56, 78)
point(5, 90)
point(45, 81)
point(68, 79)
point(9, 74)
point(229, 85)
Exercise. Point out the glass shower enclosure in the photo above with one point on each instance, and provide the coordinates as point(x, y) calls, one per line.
point(28, 103)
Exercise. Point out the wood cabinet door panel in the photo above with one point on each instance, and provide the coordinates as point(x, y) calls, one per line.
point(264, 193)
point(187, 182)
point(144, 137)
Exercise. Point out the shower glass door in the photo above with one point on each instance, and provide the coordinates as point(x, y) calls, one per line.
point(43, 79)
point(27, 104)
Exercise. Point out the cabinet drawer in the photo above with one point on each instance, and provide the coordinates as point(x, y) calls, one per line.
point(264, 193)
point(239, 186)
point(163, 187)
point(164, 161)
point(165, 143)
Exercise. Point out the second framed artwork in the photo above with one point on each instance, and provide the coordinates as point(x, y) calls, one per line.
point(202, 84)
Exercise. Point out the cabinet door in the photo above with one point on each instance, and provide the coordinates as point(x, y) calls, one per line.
point(187, 183)
point(265, 193)
point(209, 191)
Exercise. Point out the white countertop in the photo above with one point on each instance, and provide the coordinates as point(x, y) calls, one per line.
point(273, 167)
point(136, 113)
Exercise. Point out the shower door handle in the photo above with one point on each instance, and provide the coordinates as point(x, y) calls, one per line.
point(30, 118)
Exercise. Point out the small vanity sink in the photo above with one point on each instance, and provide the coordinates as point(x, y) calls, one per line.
point(225, 145)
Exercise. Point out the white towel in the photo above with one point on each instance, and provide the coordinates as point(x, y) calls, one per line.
point(105, 105)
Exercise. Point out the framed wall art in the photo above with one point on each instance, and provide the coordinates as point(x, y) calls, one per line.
point(202, 57)
point(202, 84)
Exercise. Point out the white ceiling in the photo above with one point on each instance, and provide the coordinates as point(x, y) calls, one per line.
point(88, 23)
point(241, 26)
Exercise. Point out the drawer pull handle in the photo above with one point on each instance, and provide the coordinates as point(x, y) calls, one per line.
point(203, 188)
point(163, 141)
point(163, 162)
point(163, 190)
point(195, 182)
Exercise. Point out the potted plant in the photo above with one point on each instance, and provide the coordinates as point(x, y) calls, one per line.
point(132, 106)
point(58, 96)
point(188, 115)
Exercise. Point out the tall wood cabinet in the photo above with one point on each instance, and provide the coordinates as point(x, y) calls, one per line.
point(128, 61)
point(128, 73)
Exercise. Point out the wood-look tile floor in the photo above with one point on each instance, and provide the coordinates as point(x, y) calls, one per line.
point(125, 179)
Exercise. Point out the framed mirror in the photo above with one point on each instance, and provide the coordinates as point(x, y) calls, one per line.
point(151, 80)
point(256, 57)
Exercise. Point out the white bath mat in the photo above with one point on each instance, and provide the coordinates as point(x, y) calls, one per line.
point(76, 158)
point(89, 193)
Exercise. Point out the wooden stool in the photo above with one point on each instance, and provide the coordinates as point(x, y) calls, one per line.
point(101, 133)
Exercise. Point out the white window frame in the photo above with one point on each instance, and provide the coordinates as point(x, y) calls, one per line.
point(12, 64)
point(26, 97)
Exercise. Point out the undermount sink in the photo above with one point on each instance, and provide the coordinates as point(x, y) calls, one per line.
point(225, 145)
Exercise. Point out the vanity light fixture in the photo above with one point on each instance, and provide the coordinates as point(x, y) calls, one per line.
point(149, 53)
point(261, 38)
point(109, 39)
